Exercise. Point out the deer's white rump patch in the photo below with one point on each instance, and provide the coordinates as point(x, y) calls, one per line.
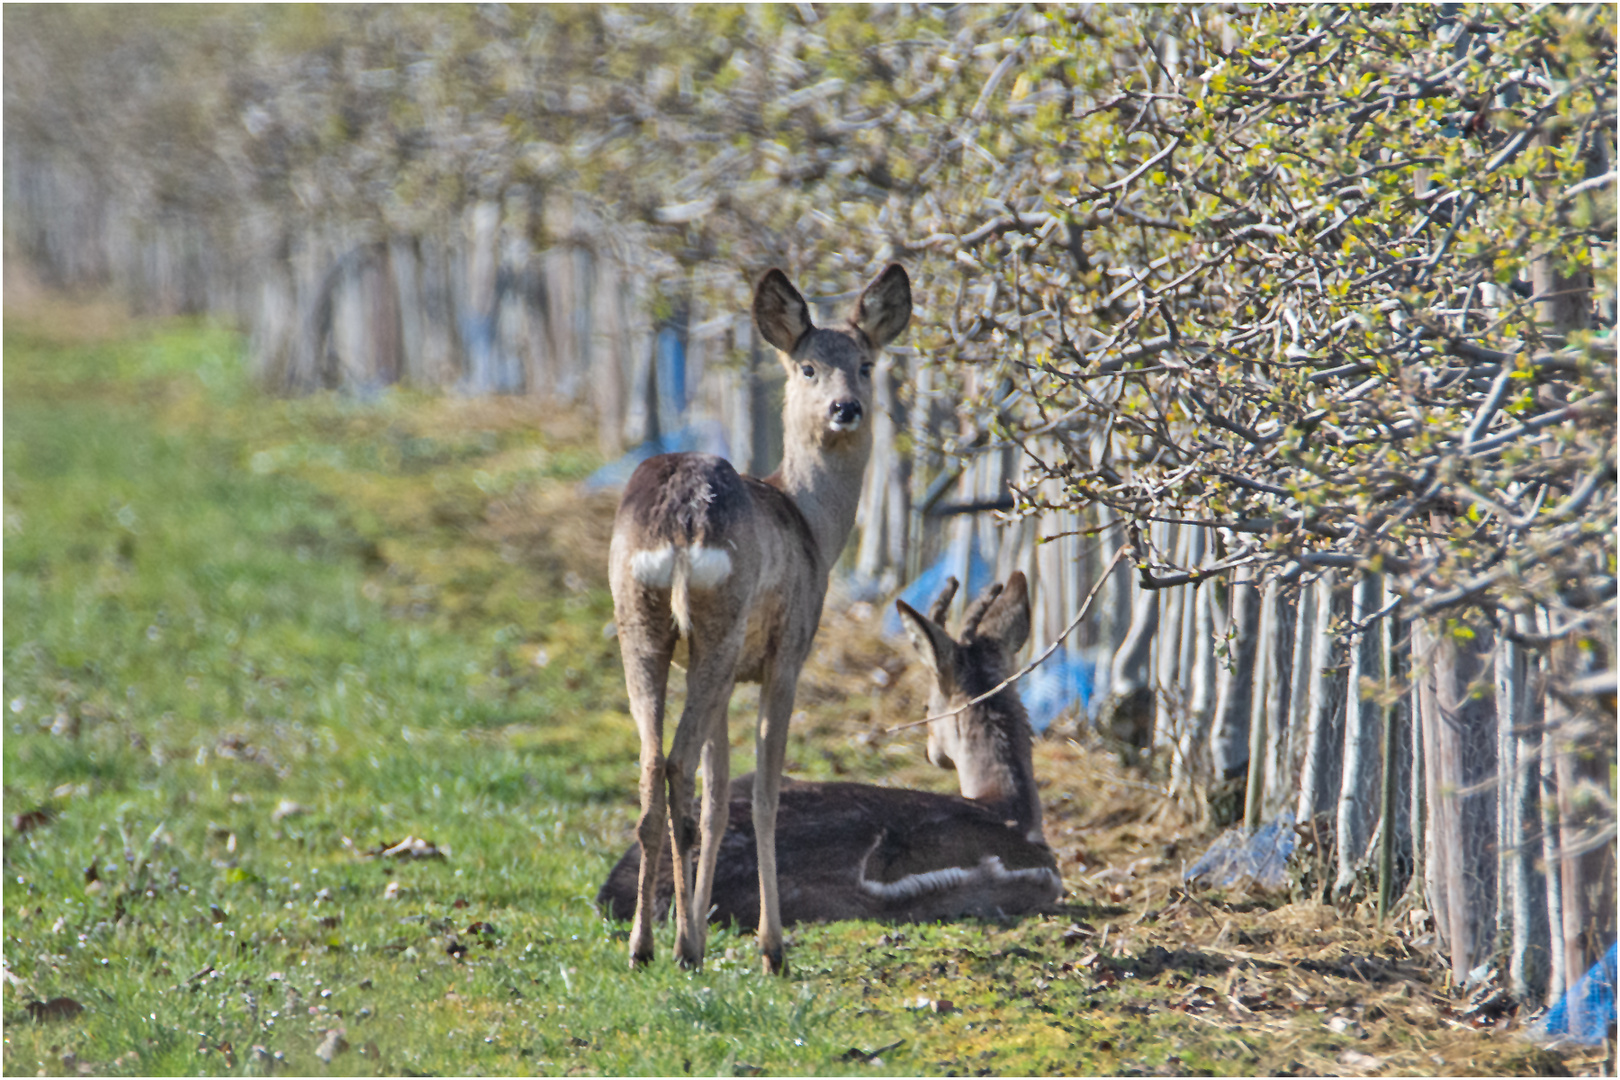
point(706, 567)
point(710, 566)
point(654, 568)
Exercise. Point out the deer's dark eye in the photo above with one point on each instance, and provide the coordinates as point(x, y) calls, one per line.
point(808, 371)
point(866, 371)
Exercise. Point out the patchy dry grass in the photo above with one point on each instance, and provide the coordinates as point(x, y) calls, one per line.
point(317, 752)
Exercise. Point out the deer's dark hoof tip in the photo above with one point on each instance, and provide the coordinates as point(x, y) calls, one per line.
point(640, 960)
point(775, 962)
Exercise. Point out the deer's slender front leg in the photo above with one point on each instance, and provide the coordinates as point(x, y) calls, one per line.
point(708, 690)
point(770, 748)
point(716, 808)
point(646, 671)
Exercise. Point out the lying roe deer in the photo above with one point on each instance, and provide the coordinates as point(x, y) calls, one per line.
point(858, 851)
point(732, 572)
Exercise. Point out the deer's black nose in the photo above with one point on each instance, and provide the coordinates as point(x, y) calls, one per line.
point(845, 413)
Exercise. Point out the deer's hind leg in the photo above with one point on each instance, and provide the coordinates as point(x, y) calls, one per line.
point(646, 647)
point(716, 808)
point(709, 682)
point(770, 750)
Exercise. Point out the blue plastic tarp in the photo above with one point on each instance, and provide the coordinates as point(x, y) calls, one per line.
point(706, 436)
point(1586, 1013)
point(1238, 857)
point(1058, 684)
point(922, 592)
point(668, 373)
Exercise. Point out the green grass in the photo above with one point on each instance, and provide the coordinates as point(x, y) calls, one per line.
point(248, 641)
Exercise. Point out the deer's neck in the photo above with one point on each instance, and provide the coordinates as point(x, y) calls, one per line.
point(997, 769)
point(824, 481)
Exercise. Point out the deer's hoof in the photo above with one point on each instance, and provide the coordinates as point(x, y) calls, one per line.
point(691, 963)
point(775, 961)
point(640, 958)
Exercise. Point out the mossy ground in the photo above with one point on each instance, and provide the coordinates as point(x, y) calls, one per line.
point(251, 642)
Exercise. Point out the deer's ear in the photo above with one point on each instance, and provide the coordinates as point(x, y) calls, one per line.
point(780, 312)
point(1007, 621)
point(931, 642)
point(884, 308)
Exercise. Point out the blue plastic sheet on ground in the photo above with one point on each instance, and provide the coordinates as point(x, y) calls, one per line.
point(922, 592)
point(706, 436)
point(1238, 857)
point(1062, 680)
point(1586, 1013)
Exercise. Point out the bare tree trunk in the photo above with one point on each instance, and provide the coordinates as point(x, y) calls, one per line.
point(442, 359)
point(1169, 701)
point(275, 325)
point(1359, 781)
point(1418, 812)
point(1518, 770)
point(478, 319)
point(1117, 594)
point(872, 518)
point(1279, 772)
point(1200, 691)
point(1557, 962)
point(1460, 746)
point(607, 352)
point(1078, 555)
point(922, 530)
point(1229, 739)
point(898, 478)
point(1389, 767)
point(382, 316)
point(577, 364)
point(1127, 714)
point(1192, 555)
point(1263, 703)
point(1407, 770)
point(633, 349)
point(1324, 711)
point(405, 274)
point(1300, 687)
point(1047, 560)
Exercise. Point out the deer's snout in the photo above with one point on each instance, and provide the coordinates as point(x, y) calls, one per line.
point(846, 414)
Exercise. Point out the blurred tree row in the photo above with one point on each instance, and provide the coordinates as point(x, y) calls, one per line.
point(1310, 307)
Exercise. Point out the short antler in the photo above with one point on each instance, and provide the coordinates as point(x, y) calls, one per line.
point(943, 604)
point(975, 612)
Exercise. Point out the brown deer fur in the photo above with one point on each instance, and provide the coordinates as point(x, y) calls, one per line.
point(858, 851)
point(731, 572)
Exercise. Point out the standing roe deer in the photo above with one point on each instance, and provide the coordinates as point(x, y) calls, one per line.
point(857, 851)
point(732, 571)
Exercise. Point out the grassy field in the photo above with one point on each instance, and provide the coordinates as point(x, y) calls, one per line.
point(251, 645)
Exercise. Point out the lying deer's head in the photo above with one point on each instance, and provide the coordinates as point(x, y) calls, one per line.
point(829, 387)
point(983, 742)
